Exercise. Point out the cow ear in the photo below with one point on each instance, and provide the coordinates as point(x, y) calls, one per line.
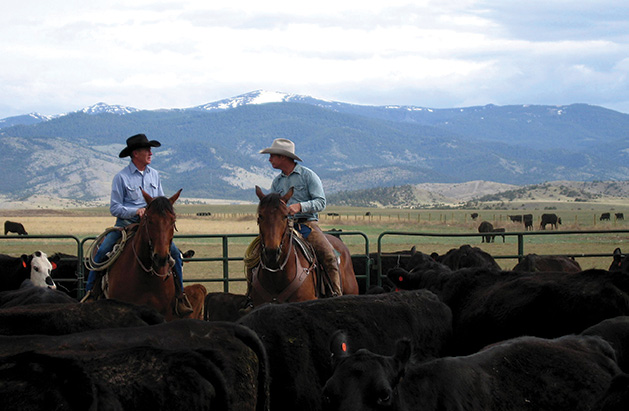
point(339, 347)
point(403, 351)
point(25, 260)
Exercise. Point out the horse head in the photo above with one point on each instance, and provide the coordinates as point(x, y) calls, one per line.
point(159, 225)
point(273, 226)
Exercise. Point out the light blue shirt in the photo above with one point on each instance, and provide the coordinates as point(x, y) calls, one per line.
point(308, 191)
point(126, 196)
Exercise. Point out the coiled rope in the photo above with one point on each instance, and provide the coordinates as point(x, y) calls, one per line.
point(113, 255)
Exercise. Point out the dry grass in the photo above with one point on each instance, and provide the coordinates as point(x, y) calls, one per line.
point(204, 234)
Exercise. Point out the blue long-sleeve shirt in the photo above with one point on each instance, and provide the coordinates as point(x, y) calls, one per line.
point(126, 197)
point(308, 191)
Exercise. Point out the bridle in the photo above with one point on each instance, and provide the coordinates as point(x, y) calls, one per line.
point(288, 234)
point(151, 270)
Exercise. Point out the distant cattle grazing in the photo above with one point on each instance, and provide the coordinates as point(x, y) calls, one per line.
point(181, 365)
point(527, 373)
point(13, 227)
point(204, 214)
point(620, 216)
point(368, 213)
point(474, 216)
point(297, 335)
point(605, 216)
point(515, 218)
point(551, 219)
point(528, 221)
point(14, 270)
point(534, 262)
point(333, 214)
point(487, 227)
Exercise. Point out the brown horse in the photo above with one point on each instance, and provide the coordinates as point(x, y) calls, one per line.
point(284, 273)
point(142, 273)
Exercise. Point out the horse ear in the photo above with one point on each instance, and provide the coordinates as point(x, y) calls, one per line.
point(259, 193)
point(288, 195)
point(175, 196)
point(147, 197)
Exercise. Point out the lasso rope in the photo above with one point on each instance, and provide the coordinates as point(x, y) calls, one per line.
point(252, 254)
point(93, 265)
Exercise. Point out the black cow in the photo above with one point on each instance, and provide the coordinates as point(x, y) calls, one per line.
point(474, 216)
point(527, 373)
point(13, 227)
point(68, 318)
point(180, 365)
point(296, 337)
point(605, 216)
point(225, 306)
point(387, 260)
point(534, 262)
point(620, 216)
point(616, 398)
point(528, 221)
point(465, 256)
point(65, 273)
point(620, 262)
point(14, 270)
point(551, 219)
point(29, 294)
point(490, 305)
point(486, 227)
point(515, 218)
point(616, 332)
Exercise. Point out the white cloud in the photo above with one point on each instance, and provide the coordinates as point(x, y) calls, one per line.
point(64, 55)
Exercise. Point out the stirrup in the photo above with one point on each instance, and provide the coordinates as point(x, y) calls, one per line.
point(183, 306)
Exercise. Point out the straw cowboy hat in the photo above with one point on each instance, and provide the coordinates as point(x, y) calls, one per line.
point(282, 146)
point(137, 141)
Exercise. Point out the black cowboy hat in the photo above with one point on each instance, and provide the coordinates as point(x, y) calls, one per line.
point(137, 141)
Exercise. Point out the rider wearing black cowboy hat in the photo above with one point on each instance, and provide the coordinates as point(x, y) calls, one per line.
point(128, 206)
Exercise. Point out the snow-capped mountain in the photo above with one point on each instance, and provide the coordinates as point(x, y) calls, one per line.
point(24, 119)
point(101, 108)
point(255, 98)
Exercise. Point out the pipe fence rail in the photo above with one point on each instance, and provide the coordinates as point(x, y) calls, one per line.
point(225, 257)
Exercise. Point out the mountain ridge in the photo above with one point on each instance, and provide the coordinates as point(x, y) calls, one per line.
point(211, 150)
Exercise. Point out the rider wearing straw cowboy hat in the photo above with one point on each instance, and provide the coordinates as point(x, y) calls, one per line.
point(128, 206)
point(307, 201)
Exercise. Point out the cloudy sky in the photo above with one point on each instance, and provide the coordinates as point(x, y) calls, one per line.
point(64, 55)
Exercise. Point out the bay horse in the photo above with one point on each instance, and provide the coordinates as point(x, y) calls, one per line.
point(142, 273)
point(284, 273)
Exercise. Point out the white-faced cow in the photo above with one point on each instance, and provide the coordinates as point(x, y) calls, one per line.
point(13, 227)
point(14, 270)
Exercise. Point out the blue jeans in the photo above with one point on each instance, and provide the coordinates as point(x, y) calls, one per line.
point(108, 244)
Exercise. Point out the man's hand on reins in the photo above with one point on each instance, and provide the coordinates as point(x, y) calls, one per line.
point(294, 208)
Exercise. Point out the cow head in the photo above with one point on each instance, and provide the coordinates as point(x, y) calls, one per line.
point(40, 269)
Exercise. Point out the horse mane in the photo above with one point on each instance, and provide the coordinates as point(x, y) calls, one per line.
point(161, 205)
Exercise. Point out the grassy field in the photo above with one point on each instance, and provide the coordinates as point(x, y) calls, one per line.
point(207, 235)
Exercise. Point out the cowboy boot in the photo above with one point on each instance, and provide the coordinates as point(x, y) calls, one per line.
point(182, 304)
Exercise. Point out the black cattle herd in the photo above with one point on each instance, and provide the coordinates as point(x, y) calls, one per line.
point(438, 332)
